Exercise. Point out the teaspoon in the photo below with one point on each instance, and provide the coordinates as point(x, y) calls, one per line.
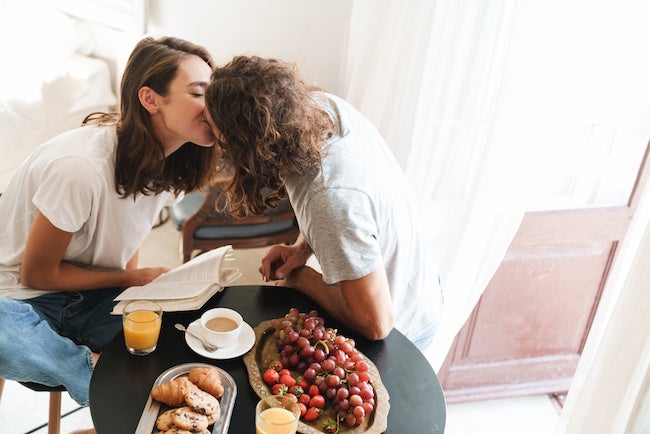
point(207, 346)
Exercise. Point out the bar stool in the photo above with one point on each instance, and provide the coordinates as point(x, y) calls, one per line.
point(54, 418)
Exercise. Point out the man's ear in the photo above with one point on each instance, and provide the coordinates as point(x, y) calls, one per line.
point(149, 99)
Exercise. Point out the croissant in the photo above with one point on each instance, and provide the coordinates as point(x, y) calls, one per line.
point(208, 380)
point(172, 392)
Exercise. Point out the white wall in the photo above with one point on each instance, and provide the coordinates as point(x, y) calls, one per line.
point(312, 33)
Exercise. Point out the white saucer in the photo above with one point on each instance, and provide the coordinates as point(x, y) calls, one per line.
point(244, 343)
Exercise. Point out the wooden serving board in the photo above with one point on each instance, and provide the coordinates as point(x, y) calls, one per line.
point(265, 351)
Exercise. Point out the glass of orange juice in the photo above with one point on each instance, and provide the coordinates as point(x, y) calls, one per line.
point(276, 415)
point(141, 321)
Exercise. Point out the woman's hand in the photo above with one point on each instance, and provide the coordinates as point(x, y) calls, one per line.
point(142, 276)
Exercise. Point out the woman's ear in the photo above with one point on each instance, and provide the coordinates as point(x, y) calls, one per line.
point(149, 99)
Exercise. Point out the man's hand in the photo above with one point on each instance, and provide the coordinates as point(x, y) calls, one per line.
point(282, 260)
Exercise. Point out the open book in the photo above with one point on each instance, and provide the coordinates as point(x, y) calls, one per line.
point(186, 287)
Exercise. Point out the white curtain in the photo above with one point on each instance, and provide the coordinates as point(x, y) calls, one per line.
point(610, 393)
point(428, 74)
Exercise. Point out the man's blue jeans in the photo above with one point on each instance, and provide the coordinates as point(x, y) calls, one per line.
point(49, 339)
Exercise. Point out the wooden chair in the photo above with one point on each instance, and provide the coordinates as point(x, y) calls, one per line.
point(54, 418)
point(203, 228)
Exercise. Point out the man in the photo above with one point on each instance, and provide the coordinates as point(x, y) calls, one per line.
point(354, 207)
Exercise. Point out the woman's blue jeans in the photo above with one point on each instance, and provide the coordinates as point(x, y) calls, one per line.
point(49, 339)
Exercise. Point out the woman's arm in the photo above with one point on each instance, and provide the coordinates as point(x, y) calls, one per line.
point(133, 262)
point(43, 266)
point(364, 305)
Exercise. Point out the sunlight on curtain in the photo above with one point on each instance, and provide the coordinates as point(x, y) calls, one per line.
point(428, 76)
point(494, 108)
point(574, 103)
point(453, 162)
point(610, 393)
point(384, 65)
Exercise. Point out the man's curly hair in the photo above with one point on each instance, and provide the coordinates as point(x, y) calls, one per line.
point(270, 128)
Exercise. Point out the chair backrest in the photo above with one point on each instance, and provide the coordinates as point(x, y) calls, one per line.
point(207, 229)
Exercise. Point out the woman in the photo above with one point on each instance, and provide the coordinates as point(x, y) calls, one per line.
point(355, 210)
point(77, 210)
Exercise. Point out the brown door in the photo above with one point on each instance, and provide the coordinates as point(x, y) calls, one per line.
point(528, 330)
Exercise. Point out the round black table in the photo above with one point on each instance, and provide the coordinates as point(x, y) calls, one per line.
point(121, 382)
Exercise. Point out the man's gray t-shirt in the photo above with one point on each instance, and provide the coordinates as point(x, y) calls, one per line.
point(358, 213)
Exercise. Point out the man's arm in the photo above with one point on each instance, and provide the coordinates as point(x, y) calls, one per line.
point(363, 305)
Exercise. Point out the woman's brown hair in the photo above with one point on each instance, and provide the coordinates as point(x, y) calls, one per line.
point(140, 163)
point(270, 128)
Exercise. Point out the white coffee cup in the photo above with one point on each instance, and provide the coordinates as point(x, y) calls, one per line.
point(220, 326)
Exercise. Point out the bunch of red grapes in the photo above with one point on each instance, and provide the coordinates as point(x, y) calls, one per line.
point(328, 360)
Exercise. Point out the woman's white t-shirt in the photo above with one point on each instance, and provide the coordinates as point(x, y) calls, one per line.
point(70, 180)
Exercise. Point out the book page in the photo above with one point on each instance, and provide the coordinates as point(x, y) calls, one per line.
point(204, 267)
point(186, 281)
point(177, 305)
point(165, 291)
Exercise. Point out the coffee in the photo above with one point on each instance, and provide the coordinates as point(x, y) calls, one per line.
point(220, 324)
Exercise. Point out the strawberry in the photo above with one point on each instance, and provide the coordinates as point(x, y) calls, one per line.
point(287, 380)
point(304, 398)
point(311, 414)
point(291, 396)
point(276, 365)
point(331, 426)
point(271, 376)
point(303, 409)
point(279, 389)
point(317, 401)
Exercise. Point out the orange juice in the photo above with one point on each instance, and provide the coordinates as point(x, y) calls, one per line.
point(141, 329)
point(276, 420)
